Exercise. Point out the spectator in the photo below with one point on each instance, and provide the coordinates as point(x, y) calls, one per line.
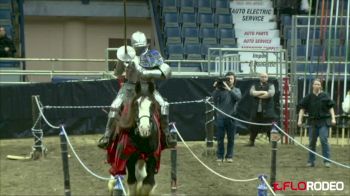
point(7, 48)
point(226, 97)
point(263, 108)
point(346, 109)
point(346, 103)
point(319, 106)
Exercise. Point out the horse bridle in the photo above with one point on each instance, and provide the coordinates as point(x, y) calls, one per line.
point(138, 121)
point(143, 116)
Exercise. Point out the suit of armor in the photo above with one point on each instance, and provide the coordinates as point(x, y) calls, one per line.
point(146, 66)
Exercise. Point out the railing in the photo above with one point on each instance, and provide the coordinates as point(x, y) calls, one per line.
point(223, 63)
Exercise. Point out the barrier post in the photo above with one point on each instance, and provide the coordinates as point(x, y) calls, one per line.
point(262, 188)
point(38, 149)
point(173, 161)
point(64, 154)
point(275, 136)
point(209, 127)
point(118, 189)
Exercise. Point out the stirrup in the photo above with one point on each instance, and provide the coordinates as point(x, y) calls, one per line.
point(171, 140)
point(103, 142)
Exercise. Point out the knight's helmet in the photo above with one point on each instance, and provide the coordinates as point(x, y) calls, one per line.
point(139, 42)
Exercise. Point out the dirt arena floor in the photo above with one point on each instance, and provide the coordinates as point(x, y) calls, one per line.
point(45, 176)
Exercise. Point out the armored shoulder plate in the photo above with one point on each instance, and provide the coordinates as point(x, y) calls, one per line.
point(152, 58)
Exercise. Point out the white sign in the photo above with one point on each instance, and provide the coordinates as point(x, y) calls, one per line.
point(258, 42)
point(263, 47)
point(256, 25)
point(261, 62)
point(245, 3)
point(254, 30)
point(242, 33)
point(245, 14)
point(258, 56)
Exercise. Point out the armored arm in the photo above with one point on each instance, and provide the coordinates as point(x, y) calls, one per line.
point(163, 71)
point(119, 68)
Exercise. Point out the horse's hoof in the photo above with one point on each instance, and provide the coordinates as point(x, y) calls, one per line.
point(146, 189)
point(111, 184)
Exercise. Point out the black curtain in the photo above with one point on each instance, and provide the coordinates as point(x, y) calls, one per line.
point(16, 114)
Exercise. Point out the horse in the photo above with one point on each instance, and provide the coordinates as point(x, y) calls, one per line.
point(137, 147)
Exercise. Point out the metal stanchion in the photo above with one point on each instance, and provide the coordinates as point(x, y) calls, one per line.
point(275, 137)
point(38, 147)
point(64, 153)
point(209, 128)
point(173, 160)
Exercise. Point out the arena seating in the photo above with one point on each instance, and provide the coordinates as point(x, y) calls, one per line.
point(6, 13)
point(6, 22)
point(196, 25)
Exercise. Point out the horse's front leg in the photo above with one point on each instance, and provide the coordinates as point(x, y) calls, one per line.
point(149, 181)
point(132, 182)
point(140, 170)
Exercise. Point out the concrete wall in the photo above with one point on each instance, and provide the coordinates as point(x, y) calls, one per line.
point(71, 29)
point(75, 37)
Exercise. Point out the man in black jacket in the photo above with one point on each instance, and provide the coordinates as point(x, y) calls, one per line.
point(263, 108)
point(320, 108)
point(7, 48)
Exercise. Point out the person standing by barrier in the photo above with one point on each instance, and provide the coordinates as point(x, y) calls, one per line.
point(7, 48)
point(319, 106)
point(263, 107)
point(346, 103)
point(346, 109)
point(226, 97)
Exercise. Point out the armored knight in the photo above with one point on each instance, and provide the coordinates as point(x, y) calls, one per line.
point(140, 64)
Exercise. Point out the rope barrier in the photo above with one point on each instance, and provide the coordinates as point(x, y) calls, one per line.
point(207, 167)
point(234, 118)
point(346, 166)
point(74, 107)
point(97, 107)
point(194, 155)
point(69, 143)
point(43, 116)
point(185, 102)
point(290, 137)
point(78, 158)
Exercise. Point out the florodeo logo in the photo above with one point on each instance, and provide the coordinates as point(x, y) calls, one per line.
point(309, 186)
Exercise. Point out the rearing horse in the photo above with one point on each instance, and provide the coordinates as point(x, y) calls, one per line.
point(137, 147)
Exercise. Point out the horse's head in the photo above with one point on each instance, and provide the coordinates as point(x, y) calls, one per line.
point(141, 110)
point(144, 121)
point(145, 105)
